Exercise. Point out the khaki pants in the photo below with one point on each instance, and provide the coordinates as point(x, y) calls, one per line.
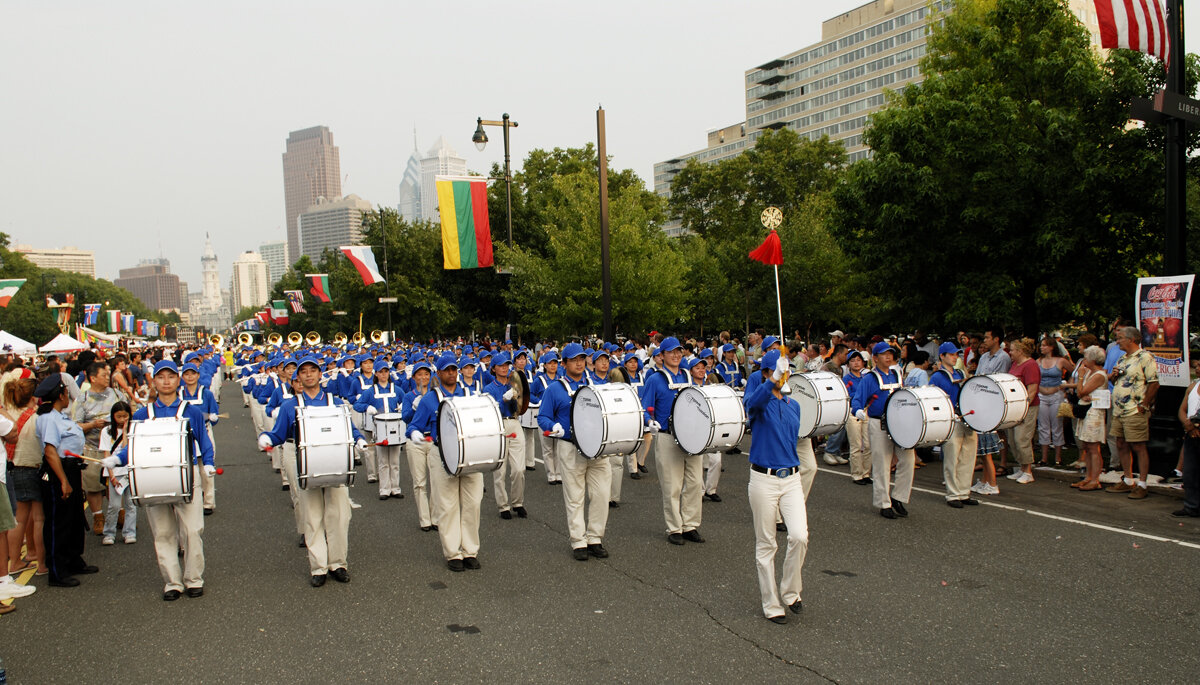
point(533, 444)
point(882, 449)
point(258, 414)
point(550, 459)
point(680, 476)
point(418, 468)
point(509, 479)
point(326, 527)
point(585, 481)
point(368, 455)
point(713, 477)
point(456, 499)
point(208, 484)
point(1020, 438)
point(287, 464)
point(772, 499)
point(958, 461)
point(860, 448)
point(808, 464)
point(619, 465)
point(172, 525)
point(387, 458)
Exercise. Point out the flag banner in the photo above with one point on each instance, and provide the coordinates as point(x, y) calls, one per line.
point(295, 298)
point(279, 312)
point(127, 322)
point(263, 316)
point(91, 314)
point(1162, 305)
point(1134, 25)
point(79, 334)
point(140, 326)
point(466, 234)
point(770, 252)
point(114, 320)
point(319, 286)
point(248, 325)
point(8, 288)
point(364, 260)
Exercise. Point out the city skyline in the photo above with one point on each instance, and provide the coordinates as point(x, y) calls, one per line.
point(194, 139)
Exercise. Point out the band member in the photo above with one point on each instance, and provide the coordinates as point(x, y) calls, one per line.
point(856, 429)
point(584, 480)
point(353, 386)
point(867, 403)
point(418, 451)
point(509, 479)
point(628, 463)
point(958, 452)
point(456, 499)
point(533, 437)
point(192, 392)
point(550, 373)
point(776, 491)
point(326, 510)
point(179, 522)
point(384, 397)
point(679, 473)
point(282, 384)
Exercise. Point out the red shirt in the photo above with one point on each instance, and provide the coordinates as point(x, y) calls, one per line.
point(1030, 374)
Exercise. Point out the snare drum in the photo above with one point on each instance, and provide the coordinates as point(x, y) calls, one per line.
point(324, 446)
point(707, 418)
point(994, 402)
point(529, 418)
point(470, 434)
point(824, 402)
point(606, 420)
point(160, 461)
point(919, 417)
point(389, 429)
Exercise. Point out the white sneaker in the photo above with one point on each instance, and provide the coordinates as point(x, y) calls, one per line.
point(130, 541)
point(977, 487)
point(355, 505)
point(107, 540)
point(11, 589)
point(992, 490)
point(1025, 478)
point(842, 460)
point(830, 459)
point(1015, 474)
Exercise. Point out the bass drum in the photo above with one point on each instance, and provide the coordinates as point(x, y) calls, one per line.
point(824, 402)
point(707, 418)
point(918, 417)
point(160, 461)
point(993, 402)
point(324, 446)
point(606, 420)
point(470, 434)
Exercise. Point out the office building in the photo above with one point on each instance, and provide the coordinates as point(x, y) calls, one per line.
point(410, 187)
point(70, 259)
point(250, 286)
point(276, 257)
point(152, 282)
point(311, 169)
point(440, 160)
point(327, 225)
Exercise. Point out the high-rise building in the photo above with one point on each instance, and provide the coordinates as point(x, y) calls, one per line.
point(441, 160)
point(70, 259)
point(276, 257)
point(329, 225)
point(152, 282)
point(311, 169)
point(250, 286)
point(410, 186)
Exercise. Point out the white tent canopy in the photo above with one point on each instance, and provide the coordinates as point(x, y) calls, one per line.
point(63, 343)
point(18, 345)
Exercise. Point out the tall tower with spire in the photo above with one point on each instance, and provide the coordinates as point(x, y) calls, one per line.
point(410, 186)
point(212, 275)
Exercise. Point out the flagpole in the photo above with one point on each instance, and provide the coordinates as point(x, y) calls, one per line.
point(779, 304)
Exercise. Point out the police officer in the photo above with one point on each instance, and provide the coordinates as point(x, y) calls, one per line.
point(868, 402)
point(509, 479)
point(958, 452)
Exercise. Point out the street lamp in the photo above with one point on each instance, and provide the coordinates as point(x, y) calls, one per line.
point(481, 140)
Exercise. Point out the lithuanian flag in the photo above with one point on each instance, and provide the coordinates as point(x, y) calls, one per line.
point(466, 235)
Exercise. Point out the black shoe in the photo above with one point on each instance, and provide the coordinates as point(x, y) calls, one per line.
point(285, 487)
point(796, 606)
point(675, 539)
point(180, 552)
point(317, 581)
point(455, 565)
point(614, 505)
point(733, 450)
point(714, 497)
point(781, 527)
point(635, 475)
point(434, 526)
point(85, 570)
point(862, 481)
point(643, 469)
point(171, 595)
point(195, 592)
point(597, 550)
point(66, 581)
point(506, 515)
point(887, 513)
point(301, 542)
point(580, 553)
point(970, 502)
point(521, 513)
point(471, 563)
point(693, 536)
point(780, 619)
point(341, 575)
point(899, 507)
point(867, 481)
point(426, 529)
point(1184, 513)
point(384, 496)
point(956, 503)
point(276, 470)
point(208, 511)
point(397, 495)
point(530, 468)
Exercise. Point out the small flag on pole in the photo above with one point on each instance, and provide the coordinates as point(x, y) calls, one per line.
point(91, 314)
point(770, 252)
point(466, 233)
point(8, 288)
point(263, 316)
point(279, 312)
point(295, 299)
point(364, 260)
point(114, 320)
point(1135, 25)
point(319, 286)
point(127, 322)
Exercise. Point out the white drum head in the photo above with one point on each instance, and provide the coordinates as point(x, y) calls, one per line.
point(981, 403)
point(905, 418)
point(448, 436)
point(692, 419)
point(824, 402)
point(587, 421)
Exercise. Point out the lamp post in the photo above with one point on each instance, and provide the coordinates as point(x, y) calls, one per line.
point(481, 140)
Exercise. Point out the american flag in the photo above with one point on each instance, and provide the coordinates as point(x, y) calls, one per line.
point(1135, 25)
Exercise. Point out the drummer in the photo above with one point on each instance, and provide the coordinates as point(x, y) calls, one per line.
point(192, 392)
point(550, 373)
point(456, 499)
point(179, 522)
point(868, 403)
point(509, 479)
point(384, 397)
point(532, 436)
point(637, 461)
point(326, 510)
point(418, 451)
point(958, 452)
point(584, 480)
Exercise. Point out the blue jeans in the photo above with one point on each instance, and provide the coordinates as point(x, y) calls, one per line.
point(835, 442)
point(115, 503)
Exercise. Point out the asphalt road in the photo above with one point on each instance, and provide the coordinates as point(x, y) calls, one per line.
point(984, 594)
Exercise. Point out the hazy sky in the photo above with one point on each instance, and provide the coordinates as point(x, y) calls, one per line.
point(132, 128)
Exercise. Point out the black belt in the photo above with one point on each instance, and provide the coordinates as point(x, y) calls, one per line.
point(778, 473)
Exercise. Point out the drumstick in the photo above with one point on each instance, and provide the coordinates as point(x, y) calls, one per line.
point(69, 453)
point(511, 435)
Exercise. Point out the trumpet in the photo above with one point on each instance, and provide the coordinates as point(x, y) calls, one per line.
point(340, 339)
point(295, 338)
point(313, 338)
point(245, 339)
point(358, 338)
point(216, 340)
point(377, 336)
point(274, 339)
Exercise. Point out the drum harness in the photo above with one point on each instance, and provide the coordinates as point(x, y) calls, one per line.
point(300, 402)
point(953, 406)
point(183, 404)
point(674, 387)
point(889, 387)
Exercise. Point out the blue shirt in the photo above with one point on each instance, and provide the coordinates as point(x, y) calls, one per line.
point(940, 379)
point(776, 425)
point(385, 398)
point(497, 389)
point(58, 430)
point(538, 387)
point(425, 418)
point(556, 405)
point(204, 399)
point(1111, 356)
point(658, 397)
point(406, 409)
point(868, 395)
point(195, 418)
point(732, 373)
point(285, 418)
point(755, 380)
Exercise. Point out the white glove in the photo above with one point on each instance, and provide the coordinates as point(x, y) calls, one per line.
point(264, 441)
point(557, 431)
point(654, 426)
point(416, 401)
point(210, 471)
point(861, 414)
point(372, 410)
point(212, 418)
point(271, 412)
point(743, 383)
point(361, 444)
point(110, 462)
point(782, 368)
point(510, 394)
point(416, 436)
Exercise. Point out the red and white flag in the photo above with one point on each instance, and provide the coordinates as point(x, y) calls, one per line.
point(1134, 25)
point(364, 260)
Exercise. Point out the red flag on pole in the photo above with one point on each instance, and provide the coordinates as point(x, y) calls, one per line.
point(770, 252)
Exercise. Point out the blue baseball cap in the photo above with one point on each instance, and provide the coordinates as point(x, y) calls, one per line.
point(500, 360)
point(421, 365)
point(596, 354)
point(166, 365)
point(881, 347)
point(307, 360)
point(190, 366)
point(769, 340)
point(548, 357)
point(446, 361)
point(728, 347)
point(382, 366)
point(768, 360)
point(572, 350)
point(668, 344)
point(948, 348)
